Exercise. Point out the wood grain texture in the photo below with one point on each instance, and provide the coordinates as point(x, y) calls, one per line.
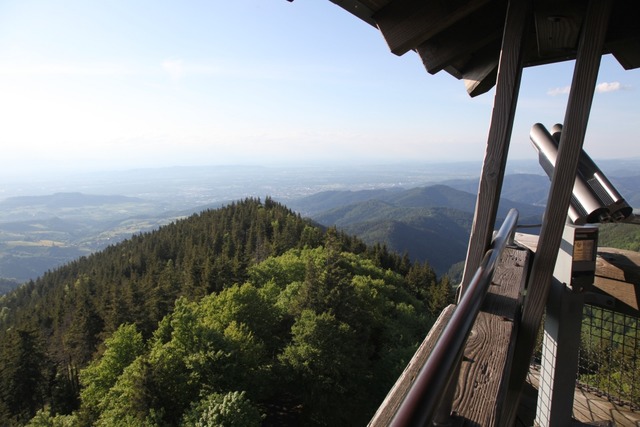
point(465, 37)
point(618, 277)
point(618, 264)
point(488, 354)
point(574, 129)
point(484, 374)
point(448, 33)
point(589, 408)
point(361, 9)
point(558, 26)
point(408, 23)
point(504, 108)
point(482, 77)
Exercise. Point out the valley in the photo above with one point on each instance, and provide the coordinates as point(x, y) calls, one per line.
point(425, 210)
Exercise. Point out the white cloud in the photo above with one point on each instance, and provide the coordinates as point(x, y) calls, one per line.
point(559, 91)
point(600, 88)
point(610, 87)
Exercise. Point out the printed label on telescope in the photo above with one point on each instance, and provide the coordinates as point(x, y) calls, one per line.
point(583, 250)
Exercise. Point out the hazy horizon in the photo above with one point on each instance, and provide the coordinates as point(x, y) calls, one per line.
point(124, 85)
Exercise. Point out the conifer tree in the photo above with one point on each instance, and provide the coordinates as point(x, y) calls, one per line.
point(22, 375)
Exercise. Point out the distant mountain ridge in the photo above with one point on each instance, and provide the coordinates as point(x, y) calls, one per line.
point(530, 189)
point(38, 233)
point(430, 223)
point(438, 195)
point(436, 235)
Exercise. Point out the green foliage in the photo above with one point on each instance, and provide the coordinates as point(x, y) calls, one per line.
point(327, 330)
point(43, 418)
point(23, 374)
point(326, 357)
point(249, 299)
point(131, 401)
point(621, 236)
point(232, 409)
point(609, 353)
point(122, 348)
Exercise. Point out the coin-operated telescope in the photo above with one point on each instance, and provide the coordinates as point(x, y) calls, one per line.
point(594, 199)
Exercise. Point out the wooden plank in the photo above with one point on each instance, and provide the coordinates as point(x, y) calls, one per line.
point(627, 53)
point(588, 408)
point(487, 355)
point(454, 71)
point(484, 374)
point(558, 26)
point(390, 405)
point(529, 241)
point(621, 297)
point(374, 4)
point(618, 264)
point(407, 23)
point(502, 116)
point(477, 400)
point(618, 279)
point(480, 74)
point(481, 79)
point(467, 36)
point(623, 38)
point(574, 129)
point(358, 8)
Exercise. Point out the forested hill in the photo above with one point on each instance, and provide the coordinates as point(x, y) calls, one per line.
point(248, 310)
point(430, 223)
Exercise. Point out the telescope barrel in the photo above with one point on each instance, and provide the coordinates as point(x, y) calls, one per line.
point(596, 179)
point(585, 205)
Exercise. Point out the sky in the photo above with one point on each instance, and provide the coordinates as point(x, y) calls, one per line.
point(100, 85)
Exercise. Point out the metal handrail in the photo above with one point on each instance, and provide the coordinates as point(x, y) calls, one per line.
point(426, 393)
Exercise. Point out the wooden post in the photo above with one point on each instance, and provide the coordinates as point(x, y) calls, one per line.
point(495, 159)
point(572, 277)
point(575, 124)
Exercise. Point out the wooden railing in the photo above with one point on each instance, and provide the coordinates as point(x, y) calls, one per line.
point(415, 402)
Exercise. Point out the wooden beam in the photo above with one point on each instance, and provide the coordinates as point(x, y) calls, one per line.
point(618, 279)
point(481, 72)
point(626, 52)
point(357, 8)
point(482, 78)
point(495, 159)
point(620, 296)
point(623, 38)
point(484, 374)
point(574, 129)
point(407, 23)
point(558, 26)
point(467, 36)
point(487, 354)
point(618, 264)
point(454, 71)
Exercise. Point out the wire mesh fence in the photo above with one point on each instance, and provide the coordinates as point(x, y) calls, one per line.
point(609, 363)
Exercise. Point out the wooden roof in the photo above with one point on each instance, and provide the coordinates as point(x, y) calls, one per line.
point(463, 37)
